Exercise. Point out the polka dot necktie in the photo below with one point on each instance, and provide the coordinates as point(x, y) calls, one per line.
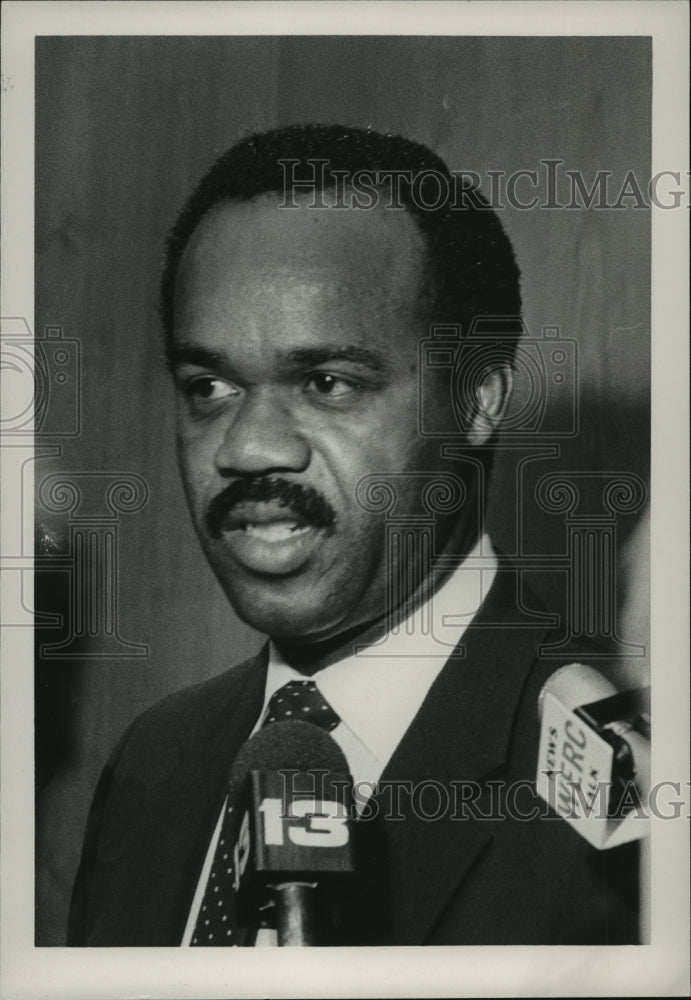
point(300, 701)
point(216, 923)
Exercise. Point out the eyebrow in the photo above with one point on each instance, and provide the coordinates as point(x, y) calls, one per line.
point(308, 357)
point(312, 356)
point(193, 354)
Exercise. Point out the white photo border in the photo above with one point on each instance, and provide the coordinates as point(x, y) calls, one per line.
point(660, 968)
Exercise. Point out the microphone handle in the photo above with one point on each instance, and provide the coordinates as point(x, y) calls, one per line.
point(295, 914)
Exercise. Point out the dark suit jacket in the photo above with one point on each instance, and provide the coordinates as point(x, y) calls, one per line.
point(456, 879)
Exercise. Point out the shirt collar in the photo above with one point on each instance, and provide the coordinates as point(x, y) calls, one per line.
point(378, 691)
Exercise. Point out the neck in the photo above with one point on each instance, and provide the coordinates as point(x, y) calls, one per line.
point(309, 656)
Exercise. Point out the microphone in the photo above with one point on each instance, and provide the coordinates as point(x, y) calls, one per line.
point(293, 853)
point(594, 754)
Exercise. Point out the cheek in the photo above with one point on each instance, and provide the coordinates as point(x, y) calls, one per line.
point(405, 465)
point(383, 441)
point(196, 471)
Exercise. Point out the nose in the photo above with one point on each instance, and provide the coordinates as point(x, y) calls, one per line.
point(261, 438)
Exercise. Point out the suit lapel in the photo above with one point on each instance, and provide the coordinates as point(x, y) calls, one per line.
point(206, 760)
point(163, 816)
point(462, 733)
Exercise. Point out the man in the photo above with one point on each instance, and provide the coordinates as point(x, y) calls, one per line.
point(301, 280)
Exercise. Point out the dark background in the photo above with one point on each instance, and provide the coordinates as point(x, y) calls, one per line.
point(124, 128)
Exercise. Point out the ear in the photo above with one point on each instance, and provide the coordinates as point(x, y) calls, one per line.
point(489, 406)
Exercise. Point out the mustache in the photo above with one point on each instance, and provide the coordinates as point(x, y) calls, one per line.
point(309, 506)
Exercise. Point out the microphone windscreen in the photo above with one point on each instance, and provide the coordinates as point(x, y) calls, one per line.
point(299, 746)
point(574, 685)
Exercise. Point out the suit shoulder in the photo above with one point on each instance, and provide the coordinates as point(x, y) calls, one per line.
point(189, 700)
point(192, 711)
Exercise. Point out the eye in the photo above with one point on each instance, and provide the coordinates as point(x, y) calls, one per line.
point(207, 387)
point(203, 391)
point(324, 384)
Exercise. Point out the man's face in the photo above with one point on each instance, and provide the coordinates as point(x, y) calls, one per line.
point(295, 357)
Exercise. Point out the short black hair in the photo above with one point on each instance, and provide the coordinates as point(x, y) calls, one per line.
point(470, 268)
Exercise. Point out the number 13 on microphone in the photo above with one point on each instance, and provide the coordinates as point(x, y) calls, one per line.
point(325, 822)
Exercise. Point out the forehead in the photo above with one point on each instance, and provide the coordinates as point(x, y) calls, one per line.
point(359, 265)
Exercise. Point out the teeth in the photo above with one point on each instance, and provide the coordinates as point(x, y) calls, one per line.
point(276, 531)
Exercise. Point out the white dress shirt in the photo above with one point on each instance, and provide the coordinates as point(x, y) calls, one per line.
point(377, 691)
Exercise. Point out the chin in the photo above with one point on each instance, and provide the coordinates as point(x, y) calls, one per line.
point(297, 615)
point(285, 618)
point(296, 624)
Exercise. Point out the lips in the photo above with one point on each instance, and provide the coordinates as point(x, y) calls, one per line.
point(269, 538)
point(247, 515)
point(274, 531)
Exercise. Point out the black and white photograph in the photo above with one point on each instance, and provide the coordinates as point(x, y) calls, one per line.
point(345, 499)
